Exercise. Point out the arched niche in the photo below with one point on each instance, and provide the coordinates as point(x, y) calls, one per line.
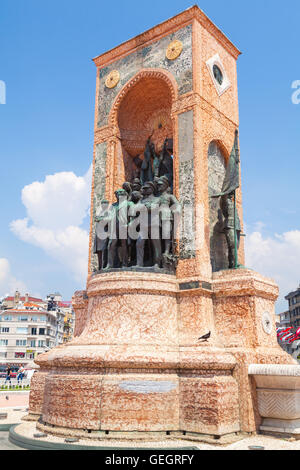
point(217, 160)
point(143, 110)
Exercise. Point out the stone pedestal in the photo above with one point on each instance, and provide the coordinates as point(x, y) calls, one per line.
point(245, 321)
point(137, 365)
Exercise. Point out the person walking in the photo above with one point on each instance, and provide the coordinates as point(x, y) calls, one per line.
point(20, 375)
point(8, 375)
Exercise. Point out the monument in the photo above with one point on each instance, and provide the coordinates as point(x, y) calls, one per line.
point(166, 259)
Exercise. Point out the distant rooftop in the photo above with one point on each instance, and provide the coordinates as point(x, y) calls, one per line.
point(292, 294)
point(23, 299)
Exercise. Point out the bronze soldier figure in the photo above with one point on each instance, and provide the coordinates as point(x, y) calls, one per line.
point(166, 162)
point(119, 230)
point(146, 168)
point(101, 234)
point(133, 226)
point(128, 188)
point(169, 212)
point(149, 226)
point(230, 213)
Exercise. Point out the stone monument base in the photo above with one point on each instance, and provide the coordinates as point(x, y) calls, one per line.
point(136, 365)
point(187, 390)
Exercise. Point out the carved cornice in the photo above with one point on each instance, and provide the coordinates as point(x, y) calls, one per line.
point(191, 99)
point(163, 29)
point(185, 103)
point(104, 134)
point(216, 114)
point(243, 282)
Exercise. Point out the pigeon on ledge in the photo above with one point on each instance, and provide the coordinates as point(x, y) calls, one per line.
point(204, 337)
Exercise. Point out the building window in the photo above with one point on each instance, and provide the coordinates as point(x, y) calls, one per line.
point(33, 331)
point(3, 342)
point(21, 330)
point(3, 354)
point(41, 343)
point(43, 318)
point(23, 318)
point(5, 330)
point(41, 331)
point(21, 342)
point(7, 318)
point(19, 354)
point(35, 318)
point(32, 343)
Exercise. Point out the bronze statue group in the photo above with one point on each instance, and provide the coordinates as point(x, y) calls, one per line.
point(138, 230)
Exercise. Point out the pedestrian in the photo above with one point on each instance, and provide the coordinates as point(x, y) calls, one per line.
point(8, 374)
point(20, 374)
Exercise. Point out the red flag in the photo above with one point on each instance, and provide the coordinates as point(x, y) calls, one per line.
point(285, 337)
point(282, 333)
point(295, 336)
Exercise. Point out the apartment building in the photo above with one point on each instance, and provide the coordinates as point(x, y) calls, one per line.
point(31, 326)
point(291, 318)
point(293, 299)
point(25, 333)
point(284, 319)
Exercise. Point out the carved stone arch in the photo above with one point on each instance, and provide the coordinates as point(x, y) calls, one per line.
point(217, 159)
point(161, 74)
point(142, 109)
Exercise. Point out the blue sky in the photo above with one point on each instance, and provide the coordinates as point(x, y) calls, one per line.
point(47, 126)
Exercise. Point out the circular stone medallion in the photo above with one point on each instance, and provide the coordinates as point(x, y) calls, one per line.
point(174, 49)
point(266, 321)
point(112, 79)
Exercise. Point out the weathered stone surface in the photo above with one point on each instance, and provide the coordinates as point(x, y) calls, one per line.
point(152, 56)
point(216, 175)
point(36, 397)
point(139, 405)
point(186, 184)
point(209, 405)
point(278, 396)
point(72, 400)
point(80, 304)
point(99, 182)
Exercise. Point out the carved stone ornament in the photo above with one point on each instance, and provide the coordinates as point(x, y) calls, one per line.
point(174, 49)
point(112, 79)
point(218, 74)
point(266, 322)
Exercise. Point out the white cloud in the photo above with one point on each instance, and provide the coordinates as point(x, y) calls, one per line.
point(55, 209)
point(277, 257)
point(8, 283)
point(58, 202)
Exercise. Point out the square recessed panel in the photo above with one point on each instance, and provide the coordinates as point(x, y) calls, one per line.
point(218, 74)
